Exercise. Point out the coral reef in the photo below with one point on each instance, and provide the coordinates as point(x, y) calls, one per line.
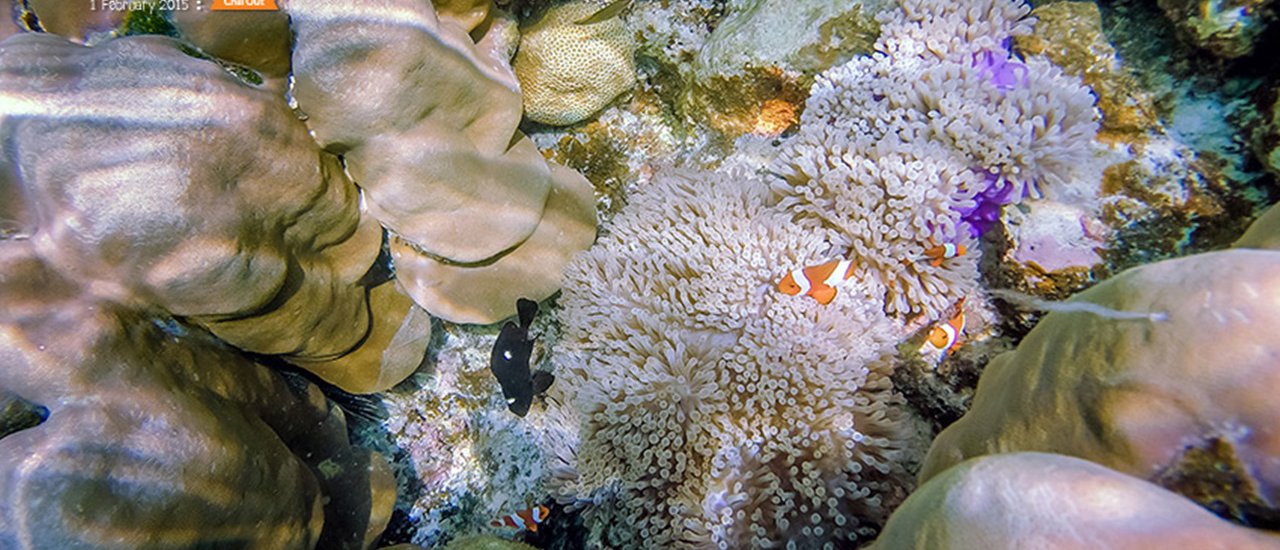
point(128, 194)
point(1228, 29)
point(1038, 500)
point(753, 71)
point(462, 459)
point(568, 72)
point(909, 138)
point(426, 119)
point(1134, 394)
point(1069, 34)
point(713, 409)
point(156, 435)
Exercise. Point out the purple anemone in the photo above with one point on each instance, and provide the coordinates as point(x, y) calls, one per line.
point(985, 212)
point(1001, 68)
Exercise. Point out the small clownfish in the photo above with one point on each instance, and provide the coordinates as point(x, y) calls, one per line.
point(818, 281)
point(945, 337)
point(524, 519)
point(936, 254)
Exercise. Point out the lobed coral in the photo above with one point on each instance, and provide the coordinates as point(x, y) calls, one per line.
point(894, 149)
point(153, 434)
point(175, 200)
point(714, 410)
point(425, 119)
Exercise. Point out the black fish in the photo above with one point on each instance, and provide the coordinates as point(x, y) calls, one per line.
point(510, 359)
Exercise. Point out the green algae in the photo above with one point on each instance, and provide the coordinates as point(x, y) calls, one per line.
point(147, 18)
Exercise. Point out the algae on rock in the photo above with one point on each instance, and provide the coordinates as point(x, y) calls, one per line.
point(762, 57)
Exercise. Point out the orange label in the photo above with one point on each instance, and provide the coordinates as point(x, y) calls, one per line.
point(244, 5)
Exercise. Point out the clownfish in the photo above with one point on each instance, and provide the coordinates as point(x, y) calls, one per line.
point(818, 281)
point(936, 254)
point(524, 519)
point(945, 337)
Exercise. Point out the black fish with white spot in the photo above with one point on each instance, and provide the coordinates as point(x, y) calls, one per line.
point(510, 361)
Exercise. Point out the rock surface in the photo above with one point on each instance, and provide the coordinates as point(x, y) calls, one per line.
point(1182, 360)
point(1038, 500)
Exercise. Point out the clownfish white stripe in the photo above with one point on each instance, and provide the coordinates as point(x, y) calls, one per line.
point(950, 331)
point(537, 515)
point(837, 276)
point(801, 280)
point(949, 250)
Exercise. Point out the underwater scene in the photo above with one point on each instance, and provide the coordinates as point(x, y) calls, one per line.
point(639, 274)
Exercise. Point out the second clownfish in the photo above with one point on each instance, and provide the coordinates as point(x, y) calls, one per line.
point(524, 519)
point(818, 281)
point(945, 337)
point(937, 254)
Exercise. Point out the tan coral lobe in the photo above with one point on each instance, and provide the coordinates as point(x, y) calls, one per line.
point(175, 199)
point(158, 435)
point(426, 121)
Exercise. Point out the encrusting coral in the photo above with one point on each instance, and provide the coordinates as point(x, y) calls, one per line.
point(921, 143)
point(714, 410)
point(176, 200)
point(569, 72)
point(1038, 500)
point(426, 120)
point(159, 436)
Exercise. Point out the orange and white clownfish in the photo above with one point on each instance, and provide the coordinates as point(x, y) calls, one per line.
point(524, 519)
point(945, 337)
point(818, 281)
point(936, 254)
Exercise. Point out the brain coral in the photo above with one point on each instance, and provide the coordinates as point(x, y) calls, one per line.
point(567, 71)
point(714, 410)
point(894, 147)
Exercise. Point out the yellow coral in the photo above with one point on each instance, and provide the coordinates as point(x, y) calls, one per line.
point(567, 71)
